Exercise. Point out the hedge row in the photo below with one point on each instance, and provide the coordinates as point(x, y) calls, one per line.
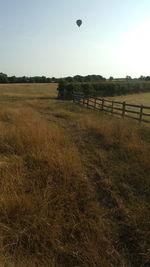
point(104, 89)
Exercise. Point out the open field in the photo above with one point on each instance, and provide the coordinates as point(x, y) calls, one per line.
point(74, 187)
point(26, 91)
point(139, 99)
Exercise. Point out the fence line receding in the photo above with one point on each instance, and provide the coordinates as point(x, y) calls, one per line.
point(140, 113)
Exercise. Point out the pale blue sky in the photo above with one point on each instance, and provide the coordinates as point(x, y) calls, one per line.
point(40, 37)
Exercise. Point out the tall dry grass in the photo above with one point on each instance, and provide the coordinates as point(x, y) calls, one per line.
point(74, 184)
point(117, 156)
point(49, 215)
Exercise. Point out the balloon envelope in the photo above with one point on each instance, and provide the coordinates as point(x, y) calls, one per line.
point(79, 22)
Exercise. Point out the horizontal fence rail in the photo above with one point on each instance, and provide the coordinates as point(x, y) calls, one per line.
point(140, 113)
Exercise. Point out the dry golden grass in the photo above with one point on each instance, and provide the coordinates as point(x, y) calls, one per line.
point(137, 99)
point(28, 90)
point(74, 186)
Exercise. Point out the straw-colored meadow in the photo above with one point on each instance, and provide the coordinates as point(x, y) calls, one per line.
point(137, 99)
point(74, 184)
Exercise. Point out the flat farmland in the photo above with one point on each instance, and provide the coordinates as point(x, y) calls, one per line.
point(137, 99)
point(74, 183)
point(26, 91)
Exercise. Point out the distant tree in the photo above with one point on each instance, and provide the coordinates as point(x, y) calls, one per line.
point(61, 88)
point(12, 79)
point(3, 78)
point(43, 79)
point(142, 78)
point(111, 78)
point(128, 78)
point(48, 80)
point(88, 78)
point(53, 79)
point(147, 78)
point(78, 78)
point(24, 79)
point(37, 79)
point(69, 79)
point(93, 78)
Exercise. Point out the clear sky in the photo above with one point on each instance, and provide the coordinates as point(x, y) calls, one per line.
point(40, 37)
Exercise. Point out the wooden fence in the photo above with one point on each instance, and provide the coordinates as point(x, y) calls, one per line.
point(136, 112)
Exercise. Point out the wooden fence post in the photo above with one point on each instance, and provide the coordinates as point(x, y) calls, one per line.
point(102, 104)
point(83, 99)
point(95, 103)
point(99, 104)
point(123, 108)
point(112, 107)
point(141, 113)
point(87, 101)
point(80, 100)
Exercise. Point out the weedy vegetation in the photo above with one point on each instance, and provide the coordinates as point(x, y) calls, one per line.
point(74, 184)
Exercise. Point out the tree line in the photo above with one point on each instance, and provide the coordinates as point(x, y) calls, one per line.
point(102, 88)
point(4, 78)
point(42, 79)
point(36, 79)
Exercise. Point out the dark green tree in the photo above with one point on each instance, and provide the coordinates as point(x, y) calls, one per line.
point(128, 78)
point(61, 89)
point(3, 78)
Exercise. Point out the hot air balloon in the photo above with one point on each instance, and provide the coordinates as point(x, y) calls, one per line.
point(79, 22)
